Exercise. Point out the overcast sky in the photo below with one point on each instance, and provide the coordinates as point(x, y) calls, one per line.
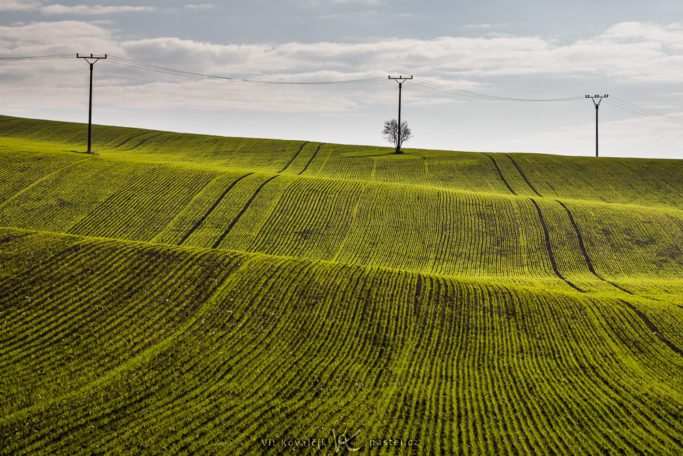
point(630, 49)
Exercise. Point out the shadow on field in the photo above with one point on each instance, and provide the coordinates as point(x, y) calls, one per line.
point(81, 152)
point(389, 154)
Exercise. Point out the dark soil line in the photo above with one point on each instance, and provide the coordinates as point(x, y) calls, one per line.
point(549, 248)
point(585, 254)
point(500, 174)
point(311, 159)
point(418, 291)
point(523, 175)
point(244, 209)
point(129, 139)
point(292, 159)
point(652, 327)
point(12, 237)
point(220, 198)
point(142, 142)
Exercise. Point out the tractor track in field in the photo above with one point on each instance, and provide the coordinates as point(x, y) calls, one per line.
point(142, 142)
point(130, 138)
point(311, 159)
point(500, 173)
point(418, 291)
point(550, 249)
point(215, 204)
point(11, 237)
point(585, 253)
point(651, 326)
point(523, 175)
point(292, 159)
point(244, 209)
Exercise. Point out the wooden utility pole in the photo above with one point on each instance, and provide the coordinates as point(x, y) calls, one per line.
point(597, 108)
point(92, 60)
point(400, 79)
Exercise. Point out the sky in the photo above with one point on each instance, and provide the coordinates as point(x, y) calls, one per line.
point(475, 66)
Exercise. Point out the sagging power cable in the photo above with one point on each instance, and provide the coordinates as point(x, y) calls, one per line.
point(173, 71)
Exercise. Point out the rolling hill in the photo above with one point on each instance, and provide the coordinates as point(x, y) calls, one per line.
point(180, 294)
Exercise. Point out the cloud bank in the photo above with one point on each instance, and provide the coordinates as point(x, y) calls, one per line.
point(628, 54)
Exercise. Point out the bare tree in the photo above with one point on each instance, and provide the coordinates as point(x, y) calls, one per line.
point(391, 133)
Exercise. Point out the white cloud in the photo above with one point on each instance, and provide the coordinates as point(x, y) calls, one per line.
point(318, 3)
point(638, 54)
point(630, 52)
point(652, 57)
point(82, 10)
point(62, 37)
point(198, 6)
point(479, 26)
point(635, 137)
point(18, 5)
point(93, 10)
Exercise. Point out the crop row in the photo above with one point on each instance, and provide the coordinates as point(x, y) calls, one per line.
point(593, 247)
point(144, 205)
point(19, 171)
point(283, 348)
point(640, 181)
point(90, 306)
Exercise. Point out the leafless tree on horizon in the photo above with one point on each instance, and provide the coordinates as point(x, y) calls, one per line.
point(391, 133)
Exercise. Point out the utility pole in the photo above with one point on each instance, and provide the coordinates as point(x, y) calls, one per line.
point(92, 60)
point(400, 79)
point(597, 108)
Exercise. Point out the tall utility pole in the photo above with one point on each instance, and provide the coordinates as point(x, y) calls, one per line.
point(92, 60)
point(400, 79)
point(597, 108)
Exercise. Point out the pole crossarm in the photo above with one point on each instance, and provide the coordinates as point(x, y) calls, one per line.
point(400, 79)
point(597, 97)
point(92, 60)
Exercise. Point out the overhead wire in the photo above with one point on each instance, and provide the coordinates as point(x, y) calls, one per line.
point(641, 111)
point(37, 57)
point(173, 71)
point(617, 102)
point(482, 96)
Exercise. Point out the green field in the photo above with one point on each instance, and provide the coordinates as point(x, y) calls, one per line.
point(188, 294)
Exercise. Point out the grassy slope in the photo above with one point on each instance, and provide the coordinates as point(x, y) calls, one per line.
point(454, 317)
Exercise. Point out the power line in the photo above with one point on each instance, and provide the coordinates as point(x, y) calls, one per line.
point(173, 71)
point(642, 111)
point(431, 85)
point(37, 57)
point(482, 96)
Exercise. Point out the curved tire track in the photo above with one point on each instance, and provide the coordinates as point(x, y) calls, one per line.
point(142, 142)
point(500, 173)
point(583, 250)
point(244, 209)
point(11, 237)
point(651, 326)
point(550, 249)
point(523, 175)
point(292, 159)
point(311, 159)
point(220, 198)
point(130, 138)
